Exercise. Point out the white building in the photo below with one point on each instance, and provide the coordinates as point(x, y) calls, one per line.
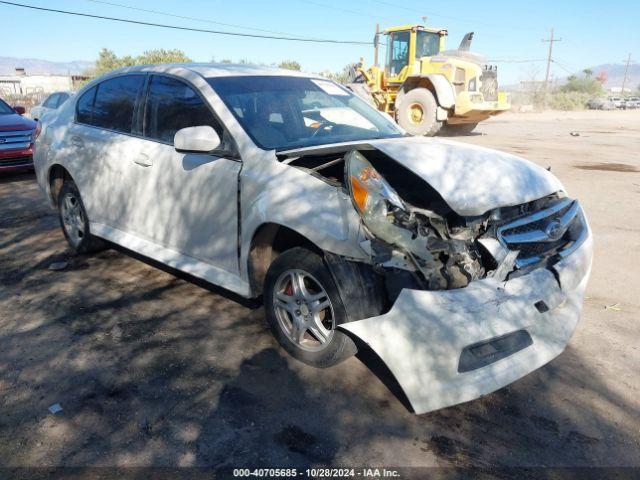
point(23, 84)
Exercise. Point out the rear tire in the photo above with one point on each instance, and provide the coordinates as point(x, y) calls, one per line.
point(417, 113)
point(74, 221)
point(297, 285)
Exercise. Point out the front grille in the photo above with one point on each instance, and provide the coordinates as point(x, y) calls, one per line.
point(16, 162)
point(556, 230)
point(15, 140)
point(489, 85)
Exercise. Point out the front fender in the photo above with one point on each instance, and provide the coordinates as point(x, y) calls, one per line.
point(445, 93)
point(279, 194)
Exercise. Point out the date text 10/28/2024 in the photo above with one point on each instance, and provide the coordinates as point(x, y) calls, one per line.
point(316, 473)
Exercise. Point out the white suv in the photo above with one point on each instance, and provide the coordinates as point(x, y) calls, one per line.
point(463, 268)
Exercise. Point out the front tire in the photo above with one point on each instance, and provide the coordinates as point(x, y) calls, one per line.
point(417, 113)
point(304, 308)
point(74, 221)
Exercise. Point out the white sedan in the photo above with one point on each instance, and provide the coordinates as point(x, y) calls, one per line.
point(49, 104)
point(463, 268)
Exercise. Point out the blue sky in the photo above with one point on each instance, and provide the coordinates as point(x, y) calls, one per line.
point(593, 32)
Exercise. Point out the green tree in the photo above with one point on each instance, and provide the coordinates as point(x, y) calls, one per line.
point(161, 55)
point(587, 72)
point(108, 61)
point(290, 65)
point(586, 84)
point(339, 77)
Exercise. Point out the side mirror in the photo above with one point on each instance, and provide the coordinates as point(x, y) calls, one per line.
point(202, 139)
point(20, 110)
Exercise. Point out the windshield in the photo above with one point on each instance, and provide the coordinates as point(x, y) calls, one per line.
point(282, 113)
point(427, 44)
point(5, 109)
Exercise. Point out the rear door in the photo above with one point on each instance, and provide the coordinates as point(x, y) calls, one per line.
point(187, 203)
point(105, 131)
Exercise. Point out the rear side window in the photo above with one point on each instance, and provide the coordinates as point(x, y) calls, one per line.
point(115, 103)
point(52, 101)
point(173, 105)
point(62, 97)
point(84, 107)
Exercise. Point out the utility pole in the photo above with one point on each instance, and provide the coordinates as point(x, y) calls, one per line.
point(551, 40)
point(626, 70)
point(376, 42)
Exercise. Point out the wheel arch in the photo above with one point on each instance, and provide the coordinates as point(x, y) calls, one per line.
point(56, 176)
point(268, 241)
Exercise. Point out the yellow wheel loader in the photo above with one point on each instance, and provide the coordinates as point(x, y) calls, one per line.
point(427, 88)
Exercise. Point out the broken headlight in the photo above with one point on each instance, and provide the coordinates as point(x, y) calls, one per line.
point(381, 208)
point(445, 259)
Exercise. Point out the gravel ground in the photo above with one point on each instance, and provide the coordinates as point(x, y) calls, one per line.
point(155, 370)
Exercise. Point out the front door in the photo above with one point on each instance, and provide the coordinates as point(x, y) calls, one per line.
point(187, 203)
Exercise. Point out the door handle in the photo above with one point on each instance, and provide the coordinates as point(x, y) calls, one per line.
point(77, 142)
point(143, 160)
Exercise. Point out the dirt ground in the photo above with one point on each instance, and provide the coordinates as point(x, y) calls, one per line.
point(152, 369)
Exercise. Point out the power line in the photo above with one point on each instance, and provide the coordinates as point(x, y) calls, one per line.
point(189, 29)
point(346, 10)
point(194, 19)
point(450, 17)
point(563, 67)
point(502, 60)
point(422, 12)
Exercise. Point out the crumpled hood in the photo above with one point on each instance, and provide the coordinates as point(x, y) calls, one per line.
point(471, 179)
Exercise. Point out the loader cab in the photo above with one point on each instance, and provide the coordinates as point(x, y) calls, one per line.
point(408, 44)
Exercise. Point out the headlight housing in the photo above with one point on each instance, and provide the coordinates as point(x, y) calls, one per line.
point(378, 203)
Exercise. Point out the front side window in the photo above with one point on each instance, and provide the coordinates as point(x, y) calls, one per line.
point(280, 112)
point(171, 106)
point(115, 103)
point(427, 44)
point(398, 52)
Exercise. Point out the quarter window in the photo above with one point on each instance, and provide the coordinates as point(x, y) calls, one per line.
point(173, 105)
point(115, 103)
point(84, 107)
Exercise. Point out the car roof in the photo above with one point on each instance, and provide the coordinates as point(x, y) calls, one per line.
point(208, 70)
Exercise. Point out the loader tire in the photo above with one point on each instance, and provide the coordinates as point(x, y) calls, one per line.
point(417, 113)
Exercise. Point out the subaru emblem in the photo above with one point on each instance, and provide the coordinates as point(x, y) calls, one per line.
point(554, 230)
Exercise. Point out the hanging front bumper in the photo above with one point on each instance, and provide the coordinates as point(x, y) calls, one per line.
point(449, 347)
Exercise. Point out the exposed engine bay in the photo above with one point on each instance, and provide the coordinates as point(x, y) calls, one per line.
point(416, 240)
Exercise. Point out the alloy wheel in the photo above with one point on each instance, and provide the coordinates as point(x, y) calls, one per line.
point(303, 310)
point(73, 218)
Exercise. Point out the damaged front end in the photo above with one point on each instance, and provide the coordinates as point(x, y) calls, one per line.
point(407, 237)
point(471, 302)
